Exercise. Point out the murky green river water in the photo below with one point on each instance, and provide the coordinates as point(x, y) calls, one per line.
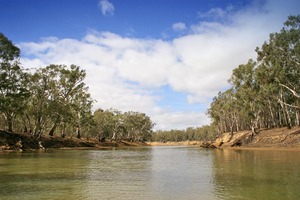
point(150, 173)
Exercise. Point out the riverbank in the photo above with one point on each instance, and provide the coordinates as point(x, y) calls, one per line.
point(272, 139)
point(182, 143)
point(10, 141)
point(265, 138)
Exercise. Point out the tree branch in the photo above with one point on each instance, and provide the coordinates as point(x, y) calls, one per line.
point(291, 90)
point(289, 105)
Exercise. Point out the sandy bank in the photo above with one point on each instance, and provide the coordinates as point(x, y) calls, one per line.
point(183, 143)
point(266, 139)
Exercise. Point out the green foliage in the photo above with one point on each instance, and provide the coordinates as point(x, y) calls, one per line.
point(203, 133)
point(13, 91)
point(60, 99)
point(264, 93)
point(115, 125)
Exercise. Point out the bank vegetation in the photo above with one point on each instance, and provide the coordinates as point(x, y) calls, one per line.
point(54, 100)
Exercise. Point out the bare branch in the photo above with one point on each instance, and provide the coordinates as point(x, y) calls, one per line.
point(289, 105)
point(291, 90)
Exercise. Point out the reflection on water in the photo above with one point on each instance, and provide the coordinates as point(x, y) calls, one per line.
point(242, 174)
point(181, 173)
point(150, 173)
point(118, 174)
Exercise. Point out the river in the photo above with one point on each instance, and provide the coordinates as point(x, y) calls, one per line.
point(150, 173)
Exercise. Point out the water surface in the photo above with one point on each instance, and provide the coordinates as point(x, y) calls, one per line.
point(150, 173)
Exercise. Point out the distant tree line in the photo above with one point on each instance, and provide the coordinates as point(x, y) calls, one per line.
point(55, 100)
point(206, 132)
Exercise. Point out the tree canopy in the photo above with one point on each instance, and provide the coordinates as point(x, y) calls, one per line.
point(264, 93)
point(13, 90)
point(55, 98)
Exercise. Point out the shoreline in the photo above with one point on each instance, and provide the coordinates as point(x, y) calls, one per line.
point(182, 143)
point(11, 141)
point(255, 148)
point(265, 148)
point(267, 139)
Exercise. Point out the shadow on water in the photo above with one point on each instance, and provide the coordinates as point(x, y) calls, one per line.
point(41, 175)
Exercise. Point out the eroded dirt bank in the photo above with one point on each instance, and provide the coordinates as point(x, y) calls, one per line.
point(279, 138)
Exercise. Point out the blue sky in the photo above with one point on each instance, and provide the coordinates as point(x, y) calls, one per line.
point(33, 19)
point(166, 58)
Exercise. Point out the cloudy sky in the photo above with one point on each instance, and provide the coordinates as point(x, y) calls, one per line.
point(166, 58)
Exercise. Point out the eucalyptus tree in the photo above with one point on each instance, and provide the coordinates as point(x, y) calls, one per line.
point(190, 133)
point(223, 111)
point(269, 90)
point(71, 96)
point(264, 93)
point(109, 123)
point(60, 98)
point(215, 112)
point(116, 125)
point(13, 90)
point(206, 132)
point(246, 93)
point(281, 57)
point(138, 125)
point(101, 119)
point(42, 105)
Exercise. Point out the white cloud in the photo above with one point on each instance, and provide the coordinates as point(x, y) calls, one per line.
point(107, 8)
point(128, 73)
point(179, 26)
point(180, 120)
point(214, 12)
point(217, 13)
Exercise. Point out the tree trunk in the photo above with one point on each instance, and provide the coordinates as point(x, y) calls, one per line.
point(63, 134)
point(29, 124)
point(286, 116)
point(237, 124)
point(9, 121)
point(52, 130)
point(273, 121)
point(78, 135)
point(38, 126)
point(63, 131)
point(10, 124)
point(280, 118)
point(298, 117)
point(57, 120)
point(114, 136)
point(25, 129)
point(297, 112)
point(258, 120)
point(231, 127)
